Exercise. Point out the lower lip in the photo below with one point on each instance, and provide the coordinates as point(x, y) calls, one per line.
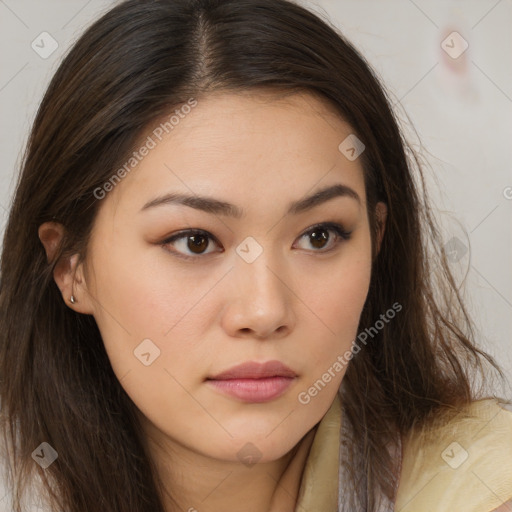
point(253, 390)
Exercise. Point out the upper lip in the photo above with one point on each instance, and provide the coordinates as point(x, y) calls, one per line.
point(254, 370)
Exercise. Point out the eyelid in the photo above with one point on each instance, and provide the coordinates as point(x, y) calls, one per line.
point(338, 228)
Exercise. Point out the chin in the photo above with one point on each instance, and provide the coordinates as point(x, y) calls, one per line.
point(259, 448)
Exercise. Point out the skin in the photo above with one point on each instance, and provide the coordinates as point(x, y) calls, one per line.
point(298, 302)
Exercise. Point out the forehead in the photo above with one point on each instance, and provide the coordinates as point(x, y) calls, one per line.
point(244, 147)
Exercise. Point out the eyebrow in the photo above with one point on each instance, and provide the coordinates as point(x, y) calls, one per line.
point(218, 207)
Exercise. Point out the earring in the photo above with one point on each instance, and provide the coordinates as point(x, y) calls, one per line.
point(72, 299)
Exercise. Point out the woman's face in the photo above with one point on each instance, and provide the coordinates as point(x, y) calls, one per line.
point(259, 283)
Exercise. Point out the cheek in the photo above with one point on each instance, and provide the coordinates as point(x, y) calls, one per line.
point(335, 306)
point(147, 314)
point(151, 327)
point(141, 295)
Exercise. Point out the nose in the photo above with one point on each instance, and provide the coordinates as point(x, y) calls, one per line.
point(260, 301)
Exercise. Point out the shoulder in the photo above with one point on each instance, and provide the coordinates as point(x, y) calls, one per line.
point(464, 463)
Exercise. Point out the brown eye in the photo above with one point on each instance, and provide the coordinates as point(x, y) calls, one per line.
point(190, 243)
point(193, 243)
point(325, 235)
point(197, 243)
point(319, 237)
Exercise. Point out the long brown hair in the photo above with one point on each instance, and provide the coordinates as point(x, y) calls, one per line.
point(139, 61)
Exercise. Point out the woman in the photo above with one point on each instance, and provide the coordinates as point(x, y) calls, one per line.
point(222, 287)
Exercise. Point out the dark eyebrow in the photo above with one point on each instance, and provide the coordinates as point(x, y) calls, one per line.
point(215, 206)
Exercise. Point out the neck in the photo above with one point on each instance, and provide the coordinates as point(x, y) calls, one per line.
point(197, 483)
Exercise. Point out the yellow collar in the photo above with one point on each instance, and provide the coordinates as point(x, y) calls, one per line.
point(319, 485)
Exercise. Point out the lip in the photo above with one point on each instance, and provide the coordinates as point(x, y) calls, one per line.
point(254, 382)
point(254, 370)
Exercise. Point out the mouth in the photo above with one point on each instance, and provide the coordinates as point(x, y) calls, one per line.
point(254, 382)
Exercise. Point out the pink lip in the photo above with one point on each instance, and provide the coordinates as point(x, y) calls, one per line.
point(254, 382)
point(253, 370)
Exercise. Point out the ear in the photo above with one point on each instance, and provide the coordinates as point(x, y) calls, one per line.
point(381, 214)
point(68, 276)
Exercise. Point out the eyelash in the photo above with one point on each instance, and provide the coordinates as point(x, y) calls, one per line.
point(338, 229)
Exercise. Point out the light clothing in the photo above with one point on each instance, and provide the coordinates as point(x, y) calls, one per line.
point(462, 466)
